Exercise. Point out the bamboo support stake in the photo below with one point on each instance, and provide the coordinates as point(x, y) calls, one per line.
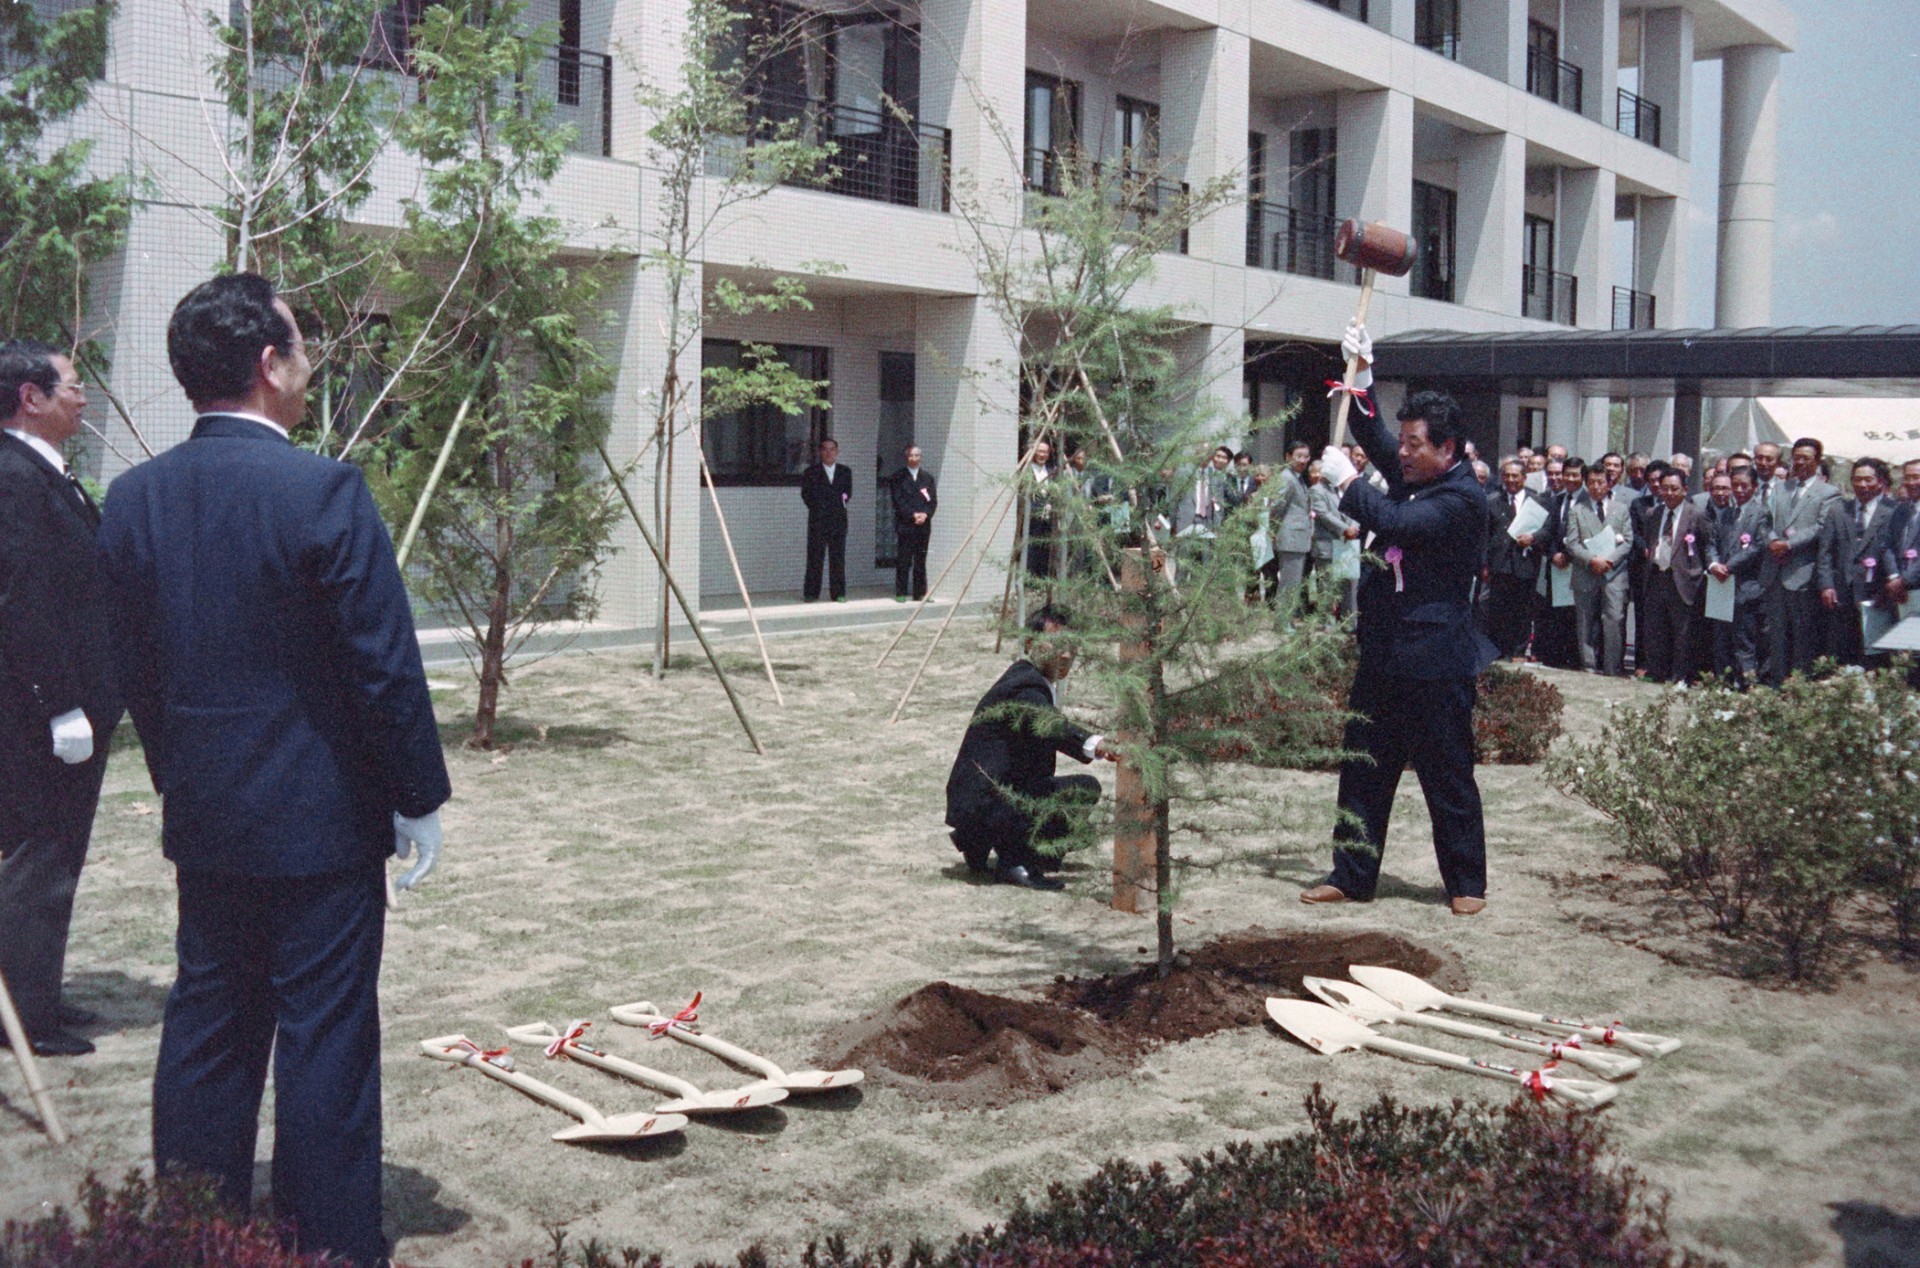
point(951, 613)
point(1018, 569)
point(959, 553)
point(29, 1069)
point(646, 535)
point(446, 452)
point(706, 476)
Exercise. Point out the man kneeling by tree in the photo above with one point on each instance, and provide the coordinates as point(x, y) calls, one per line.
point(1003, 797)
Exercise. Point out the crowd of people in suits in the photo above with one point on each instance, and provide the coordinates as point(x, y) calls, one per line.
point(1625, 552)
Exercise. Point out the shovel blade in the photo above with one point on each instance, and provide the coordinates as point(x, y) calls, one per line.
point(1399, 988)
point(801, 1082)
point(1354, 1001)
point(1317, 1026)
point(622, 1127)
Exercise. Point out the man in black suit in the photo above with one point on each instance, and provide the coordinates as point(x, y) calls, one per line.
point(58, 705)
point(826, 487)
point(1676, 559)
point(915, 499)
point(1006, 761)
point(1513, 564)
point(1851, 570)
point(266, 647)
point(1420, 655)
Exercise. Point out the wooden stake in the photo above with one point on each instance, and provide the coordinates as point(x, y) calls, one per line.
point(706, 477)
point(1134, 881)
point(1019, 567)
point(1353, 365)
point(958, 554)
point(646, 535)
point(951, 612)
point(29, 1070)
point(446, 452)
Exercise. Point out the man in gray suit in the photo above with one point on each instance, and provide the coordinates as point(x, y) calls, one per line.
point(1600, 577)
point(1676, 558)
point(1290, 515)
point(1850, 571)
point(1800, 509)
point(1330, 527)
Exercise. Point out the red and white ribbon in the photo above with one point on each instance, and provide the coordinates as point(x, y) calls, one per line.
point(575, 1029)
point(1537, 1082)
point(1336, 387)
point(501, 1057)
point(684, 1019)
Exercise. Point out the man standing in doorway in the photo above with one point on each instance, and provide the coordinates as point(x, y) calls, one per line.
point(914, 502)
point(826, 487)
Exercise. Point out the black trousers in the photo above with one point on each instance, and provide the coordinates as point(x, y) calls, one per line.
point(910, 560)
point(1798, 634)
point(38, 879)
point(1428, 725)
point(1555, 641)
point(1510, 614)
point(1009, 831)
point(826, 543)
point(287, 967)
point(1667, 655)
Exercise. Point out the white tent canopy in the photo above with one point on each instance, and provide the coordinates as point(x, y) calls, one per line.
point(1852, 427)
point(1748, 425)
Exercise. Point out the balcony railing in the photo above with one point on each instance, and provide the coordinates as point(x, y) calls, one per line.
point(1290, 241)
point(579, 83)
point(1632, 310)
point(1140, 198)
point(1638, 118)
point(1554, 79)
point(1549, 296)
point(1445, 43)
point(877, 155)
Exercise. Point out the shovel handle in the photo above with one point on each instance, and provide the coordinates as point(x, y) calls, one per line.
point(1579, 1092)
point(659, 1080)
point(645, 1014)
point(447, 1048)
point(1645, 1043)
point(29, 1068)
point(1606, 1064)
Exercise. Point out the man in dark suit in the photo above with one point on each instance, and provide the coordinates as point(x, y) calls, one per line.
point(58, 705)
point(1740, 552)
point(1851, 572)
point(266, 647)
point(826, 487)
point(1676, 559)
point(1901, 565)
point(1513, 564)
point(915, 499)
point(1554, 640)
point(1420, 654)
point(1006, 761)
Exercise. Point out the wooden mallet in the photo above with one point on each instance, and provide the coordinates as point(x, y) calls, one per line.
point(1372, 249)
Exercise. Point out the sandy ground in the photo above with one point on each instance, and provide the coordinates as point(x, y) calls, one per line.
point(630, 846)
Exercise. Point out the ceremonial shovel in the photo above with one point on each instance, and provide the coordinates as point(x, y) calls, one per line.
point(679, 1026)
point(1327, 1031)
point(594, 1126)
point(1415, 995)
point(1363, 1005)
point(689, 1098)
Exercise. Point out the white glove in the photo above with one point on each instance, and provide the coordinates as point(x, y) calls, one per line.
point(407, 833)
point(72, 737)
point(1336, 468)
point(1358, 343)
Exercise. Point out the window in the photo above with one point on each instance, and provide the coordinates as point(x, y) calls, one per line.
point(568, 53)
point(896, 433)
point(1433, 228)
point(1436, 26)
point(1136, 132)
point(1052, 125)
point(1311, 171)
point(758, 444)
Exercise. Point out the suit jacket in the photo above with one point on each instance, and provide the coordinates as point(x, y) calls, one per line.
point(1011, 743)
point(827, 502)
point(1506, 557)
point(56, 654)
point(911, 496)
point(1903, 545)
point(1848, 544)
point(1329, 525)
point(1739, 540)
point(1416, 620)
point(1289, 513)
point(1201, 504)
point(1799, 517)
point(1689, 557)
point(266, 646)
point(1583, 520)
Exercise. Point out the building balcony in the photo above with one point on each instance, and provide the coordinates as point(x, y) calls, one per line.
point(1638, 118)
point(878, 156)
point(579, 83)
point(1632, 310)
point(1289, 241)
point(1555, 79)
point(1546, 295)
point(1140, 198)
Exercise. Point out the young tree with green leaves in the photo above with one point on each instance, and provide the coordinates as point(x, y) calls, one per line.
point(512, 536)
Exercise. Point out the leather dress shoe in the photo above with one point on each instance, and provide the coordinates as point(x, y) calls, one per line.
point(1322, 894)
point(1468, 906)
point(1028, 880)
point(55, 1043)
point(74, 1015)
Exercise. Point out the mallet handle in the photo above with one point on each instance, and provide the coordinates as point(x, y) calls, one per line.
point(29, 1069)
point(1353, 365)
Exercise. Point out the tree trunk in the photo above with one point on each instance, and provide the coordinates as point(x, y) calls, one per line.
point(493, 645)
point(1135, 848)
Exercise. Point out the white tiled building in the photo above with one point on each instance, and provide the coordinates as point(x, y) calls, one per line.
point(1514, 137)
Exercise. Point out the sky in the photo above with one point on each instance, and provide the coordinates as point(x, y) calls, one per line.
point(1847, 238)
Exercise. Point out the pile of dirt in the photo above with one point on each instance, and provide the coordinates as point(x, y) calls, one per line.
point(966, 1048)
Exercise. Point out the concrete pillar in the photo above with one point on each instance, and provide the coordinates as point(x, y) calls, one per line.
point(973, 60)
point(1666, 75)
point(1395, 17)
point(1493, 39)
point(1686, 425)
point(1563, 418)
point(1749, 142)
point(1660, 269)
point(1212, 361)
point(1590, 39)
point(1650, 426)
point(1492, 205)
point(1508, 429)
point(1375, 164)
point(1586, 242)
point(1203, 128)
point(1591, 433)
point(966, 390)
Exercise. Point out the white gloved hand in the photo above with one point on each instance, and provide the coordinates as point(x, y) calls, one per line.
point(72, 737)
point(1358, 343)
point(423, 832)
point(1336, 468)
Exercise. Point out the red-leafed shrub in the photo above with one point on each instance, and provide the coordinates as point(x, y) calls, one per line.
point(1516, 717)
point(174, 1224)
